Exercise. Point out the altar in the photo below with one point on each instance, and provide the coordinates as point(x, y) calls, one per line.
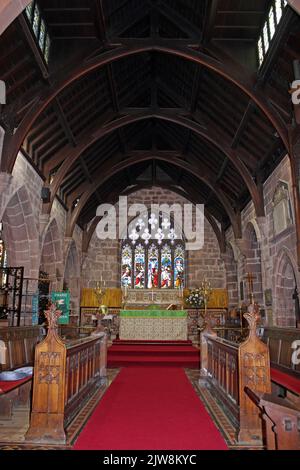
point(167, 325)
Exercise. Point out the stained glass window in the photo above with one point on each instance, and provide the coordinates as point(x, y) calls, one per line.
point(42, 35)
point(126, 266)
point(39, 29)
point(36, 20)
point(269, 28)
point(166, 267)
point(29, 10)
point(179, 267)
point(153, 255)
point(260, 51)
point(139, 267)
point(272, 25)
point(47, 48)
point(153, 268)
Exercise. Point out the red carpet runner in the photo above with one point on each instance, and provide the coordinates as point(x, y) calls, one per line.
point(154, 354)
point(150, 409)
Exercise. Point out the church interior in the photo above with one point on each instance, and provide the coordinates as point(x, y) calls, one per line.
point(182, 319)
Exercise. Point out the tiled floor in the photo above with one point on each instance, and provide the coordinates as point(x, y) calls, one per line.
point(217, 413)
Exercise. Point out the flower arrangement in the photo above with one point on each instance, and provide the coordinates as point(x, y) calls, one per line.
point(195, 299)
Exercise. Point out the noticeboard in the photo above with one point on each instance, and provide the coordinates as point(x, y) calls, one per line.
point(62, 300)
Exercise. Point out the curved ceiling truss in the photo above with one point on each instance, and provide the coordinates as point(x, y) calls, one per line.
point(222, 149)
point(13, 142)
point(109, 170)
point(70, 157)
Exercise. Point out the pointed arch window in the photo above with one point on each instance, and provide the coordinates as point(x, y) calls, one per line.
point(153, 256)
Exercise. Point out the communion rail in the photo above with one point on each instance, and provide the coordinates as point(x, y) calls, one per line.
point(66, 375)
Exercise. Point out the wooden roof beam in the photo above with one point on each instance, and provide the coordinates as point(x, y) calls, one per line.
point(211, 8)
point(12, 143)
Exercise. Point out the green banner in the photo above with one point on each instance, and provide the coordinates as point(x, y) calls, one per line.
point(62, 300)
point(154, 313)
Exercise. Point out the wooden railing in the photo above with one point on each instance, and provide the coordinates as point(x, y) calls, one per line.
point(223, 372)
point(230, 367)
point(65, 376)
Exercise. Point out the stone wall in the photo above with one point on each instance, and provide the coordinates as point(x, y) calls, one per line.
point(103, 257)
point(33, 239)
point(271, 258)
point(37, 241)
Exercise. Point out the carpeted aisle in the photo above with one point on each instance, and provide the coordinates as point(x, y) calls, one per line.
point(150, 408)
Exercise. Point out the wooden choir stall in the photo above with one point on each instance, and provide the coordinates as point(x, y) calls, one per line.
point(66, 374)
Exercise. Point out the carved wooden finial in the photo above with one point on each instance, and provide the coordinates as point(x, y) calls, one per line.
point(52, 315)
point(252, 317)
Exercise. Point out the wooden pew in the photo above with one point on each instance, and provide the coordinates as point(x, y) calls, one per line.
point(230, 367)
point(281, 421)
point(17, 345)
point(283, 372)
point(65, 376)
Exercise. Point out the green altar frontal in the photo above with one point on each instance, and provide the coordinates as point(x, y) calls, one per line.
point(153, 325)
point(153, 313)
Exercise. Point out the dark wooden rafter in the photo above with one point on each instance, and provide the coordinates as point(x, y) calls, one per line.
point(12, 143)
point(109, 171)
point(101, 28)
point(164, 155)
point(69, 157)
point(33, 46)
point(221, 133)
point(188, 28)
point(211, 8)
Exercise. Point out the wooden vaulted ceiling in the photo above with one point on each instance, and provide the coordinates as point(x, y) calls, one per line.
point(146, 114)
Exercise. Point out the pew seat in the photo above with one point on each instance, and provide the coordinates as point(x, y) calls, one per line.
point(284, 373)
point(8, 386)
point(17, 348)
point(286, 380)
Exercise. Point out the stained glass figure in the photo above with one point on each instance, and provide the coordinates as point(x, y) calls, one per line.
point(42, 35)
point(139, 267)
point(36, 20)
point(126, 266)
point(179, 267)
point(152, 267)
point(47, 48)
point(28, 10)
point(166, 267)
